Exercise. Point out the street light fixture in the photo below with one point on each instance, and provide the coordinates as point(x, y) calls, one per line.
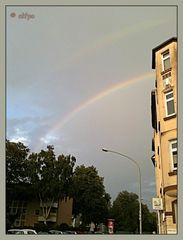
point(140, 204)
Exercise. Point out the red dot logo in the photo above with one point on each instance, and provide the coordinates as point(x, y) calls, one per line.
point(13, 14)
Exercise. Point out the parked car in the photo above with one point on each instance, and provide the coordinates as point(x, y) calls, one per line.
point(43, 233)
point(70, 232)
point(21, 231)
point(55, 232)
point(98, 232)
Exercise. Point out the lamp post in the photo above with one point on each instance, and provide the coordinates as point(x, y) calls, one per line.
point(140, 204)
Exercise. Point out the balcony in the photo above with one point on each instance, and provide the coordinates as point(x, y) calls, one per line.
point(171, 190)
point(48, 204)
point(51, 218)
point(166, 73)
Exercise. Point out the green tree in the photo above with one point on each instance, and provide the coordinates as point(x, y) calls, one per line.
point(36, 175)
point(16, 177)
point(50, 177)
point(16, 154)
point(148, 220)
point(90, 198)
point(125, 211)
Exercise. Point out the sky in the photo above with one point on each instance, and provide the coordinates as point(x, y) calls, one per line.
point(80, 78)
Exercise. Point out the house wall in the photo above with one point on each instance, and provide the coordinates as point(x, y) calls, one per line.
point(30, 217)
point(31, 213)
point(64, 214)
point(166, 178)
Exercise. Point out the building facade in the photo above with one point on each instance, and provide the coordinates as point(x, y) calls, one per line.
point(30, 213)
point(164, 142)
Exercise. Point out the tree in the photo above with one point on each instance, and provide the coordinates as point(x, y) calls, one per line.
point(16, 154)
point(16, 173)
point(36, 175)
point(148, 220)
point(50, 177)
point(90, 198)
point(125, 211)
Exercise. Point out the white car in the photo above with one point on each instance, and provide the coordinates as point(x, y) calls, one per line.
point(21, 231)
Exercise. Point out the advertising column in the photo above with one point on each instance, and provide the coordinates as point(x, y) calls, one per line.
point(110, 226)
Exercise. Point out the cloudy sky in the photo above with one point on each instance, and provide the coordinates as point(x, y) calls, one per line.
point(80, 78)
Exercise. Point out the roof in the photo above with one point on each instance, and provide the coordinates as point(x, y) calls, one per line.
point(173, 39)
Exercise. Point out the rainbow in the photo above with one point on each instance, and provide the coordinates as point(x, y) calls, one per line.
point(102, 43)
point(106, 92)
point(107, 40)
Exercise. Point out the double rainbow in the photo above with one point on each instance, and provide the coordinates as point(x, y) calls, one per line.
point(103, 42)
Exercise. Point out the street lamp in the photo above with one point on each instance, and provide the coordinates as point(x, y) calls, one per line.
point(140, 204)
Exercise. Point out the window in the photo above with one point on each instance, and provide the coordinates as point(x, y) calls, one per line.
point(37, 212)
point(166, 60)
point(13, 210)
point(53, 210)
point(174, 210)
point(24, 210)
point(173, 152)
point(169, 102)
point(30, 232)
point(17, 222)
